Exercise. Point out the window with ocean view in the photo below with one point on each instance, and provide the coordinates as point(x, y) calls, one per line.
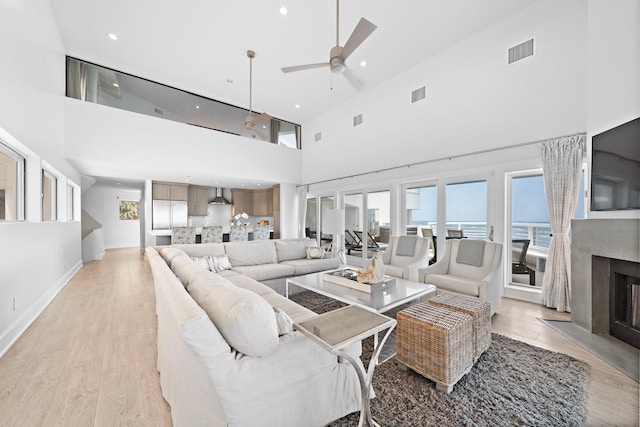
point(421, 208)
point(529, 215)
point(467, 208)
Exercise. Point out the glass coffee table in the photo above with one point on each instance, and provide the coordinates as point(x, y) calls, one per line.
point(402, 292)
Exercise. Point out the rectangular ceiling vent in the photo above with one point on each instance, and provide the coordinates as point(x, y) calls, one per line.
point(357, 120)
point(318, 136)
point(159, 111)
point(521, 51)
point(418, 94)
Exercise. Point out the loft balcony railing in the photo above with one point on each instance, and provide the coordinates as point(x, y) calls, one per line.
point(105, 86)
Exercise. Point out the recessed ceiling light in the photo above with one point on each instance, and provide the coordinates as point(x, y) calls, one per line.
point(197, 106)
point(297, 105)
point(283, 11)
point(115, 84)
point(363, 64)
point(113, 36)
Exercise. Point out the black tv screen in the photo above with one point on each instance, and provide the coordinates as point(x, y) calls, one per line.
point(615, 168)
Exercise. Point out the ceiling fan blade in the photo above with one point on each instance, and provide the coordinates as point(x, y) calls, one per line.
point(304, 67)
point(360, 34)
point(353, 78)
point(261, 118)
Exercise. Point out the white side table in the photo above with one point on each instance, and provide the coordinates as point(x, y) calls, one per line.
point(340, 328)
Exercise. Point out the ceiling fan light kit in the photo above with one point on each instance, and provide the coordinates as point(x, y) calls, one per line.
point(339, 54)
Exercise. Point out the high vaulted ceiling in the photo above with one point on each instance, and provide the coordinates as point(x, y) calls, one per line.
point(200, 45)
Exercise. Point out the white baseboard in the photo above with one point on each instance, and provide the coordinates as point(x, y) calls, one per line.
point(17, 329)
point(523, 293)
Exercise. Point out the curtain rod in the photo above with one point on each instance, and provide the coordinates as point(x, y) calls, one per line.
point(424, 162)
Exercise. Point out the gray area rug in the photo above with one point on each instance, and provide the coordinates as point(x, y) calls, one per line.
point(513, 383)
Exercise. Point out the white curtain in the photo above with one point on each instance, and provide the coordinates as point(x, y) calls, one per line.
point(302, 210)
point(562, 165)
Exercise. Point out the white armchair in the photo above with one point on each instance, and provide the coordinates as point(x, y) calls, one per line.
point(405, 255)
point(468, 267)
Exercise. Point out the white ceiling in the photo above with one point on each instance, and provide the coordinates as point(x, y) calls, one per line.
point(198, 45)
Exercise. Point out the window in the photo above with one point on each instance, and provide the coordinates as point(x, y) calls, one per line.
point(467, 208)
point(11, 185)
point(49, 196)
point(529, 214)
point(420, 204)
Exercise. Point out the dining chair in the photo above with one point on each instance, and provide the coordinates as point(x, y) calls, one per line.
point(181, 235)
point(212, 234)
point(519, 265)
point(261, 232)
point(455, 233)
point(239, 233)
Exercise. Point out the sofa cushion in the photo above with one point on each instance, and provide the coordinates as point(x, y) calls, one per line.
point(284, 322)
point(394, 270)
point(265, 271)
point(168, 253)
point(306, 266)
point(245, 319)
point(251, 253)
point(292, 249)
point(184, 268)
point(458, 284)
point(245, 282)
point(201, 249)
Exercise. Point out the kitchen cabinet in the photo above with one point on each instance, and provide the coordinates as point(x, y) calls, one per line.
point(253, 202)
point(169, 191)
point(197, 201)
point(242, 201)
point(263, 202)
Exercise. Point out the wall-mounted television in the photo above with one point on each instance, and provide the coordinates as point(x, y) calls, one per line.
point(615, 168)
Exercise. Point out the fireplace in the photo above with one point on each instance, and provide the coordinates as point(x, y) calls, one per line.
point(596, 244)
point(624, 301)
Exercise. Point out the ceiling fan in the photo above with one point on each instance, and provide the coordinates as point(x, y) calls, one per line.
point(250, 121)
point(339, 54)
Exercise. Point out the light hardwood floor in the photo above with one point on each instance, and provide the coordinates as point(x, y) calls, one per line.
point(89, 359)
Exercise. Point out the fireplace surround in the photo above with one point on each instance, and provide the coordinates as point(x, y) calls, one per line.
point(595, 244)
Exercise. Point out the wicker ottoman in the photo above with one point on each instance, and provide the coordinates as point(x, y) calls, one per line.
point(435, 342)
point(480, 311)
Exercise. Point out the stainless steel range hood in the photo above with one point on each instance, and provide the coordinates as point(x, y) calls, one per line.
point(219, 199)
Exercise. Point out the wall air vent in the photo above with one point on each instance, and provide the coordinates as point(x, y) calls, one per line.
point(357, 120)
point(159, 111)
point(418, 94)
point(521, 51)
point(318, 136)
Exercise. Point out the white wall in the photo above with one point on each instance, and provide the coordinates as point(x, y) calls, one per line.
point(614, 72)
point(36, 258)
point(104, 137)
point(102, 202)
point(474, 100)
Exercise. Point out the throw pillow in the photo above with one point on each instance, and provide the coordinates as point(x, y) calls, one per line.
point(285, 324)
point(471, 252)
point(315, 252)
point(219, 263)
point(244, 318)
point(202, 261)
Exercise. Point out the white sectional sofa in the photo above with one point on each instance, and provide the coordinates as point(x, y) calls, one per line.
point(226, 357)
point(268, 261)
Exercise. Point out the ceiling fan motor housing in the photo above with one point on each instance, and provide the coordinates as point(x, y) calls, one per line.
point(336, 63)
